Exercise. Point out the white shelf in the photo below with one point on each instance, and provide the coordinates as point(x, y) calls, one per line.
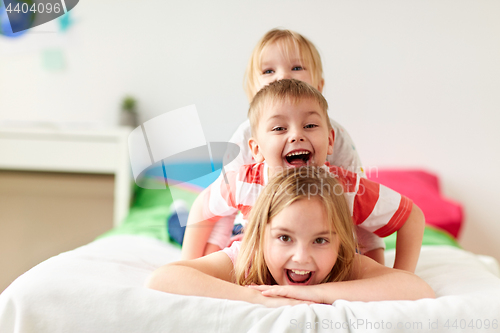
point(103, 151)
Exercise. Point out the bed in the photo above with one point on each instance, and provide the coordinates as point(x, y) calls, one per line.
point(99, 287)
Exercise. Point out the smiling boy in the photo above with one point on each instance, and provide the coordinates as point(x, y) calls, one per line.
point(290, 132)
point(289, 120)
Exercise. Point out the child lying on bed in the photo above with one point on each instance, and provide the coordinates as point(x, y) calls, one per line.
point(299, 247)
point(279, 54)
point(290, 129)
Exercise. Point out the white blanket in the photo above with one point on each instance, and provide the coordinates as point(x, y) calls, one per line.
point(99, 288)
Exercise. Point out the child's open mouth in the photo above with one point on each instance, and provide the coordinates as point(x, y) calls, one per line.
point(298, 277)
point(298, 158)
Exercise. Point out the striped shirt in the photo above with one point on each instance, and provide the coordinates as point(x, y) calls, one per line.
point(374, 207)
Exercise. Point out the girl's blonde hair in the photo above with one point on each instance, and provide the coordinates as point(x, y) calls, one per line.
point(289, 42)
point(281, 192)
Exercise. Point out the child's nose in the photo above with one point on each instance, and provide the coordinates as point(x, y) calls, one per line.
point(296, 135)
point(301, 254)
point(284, 75)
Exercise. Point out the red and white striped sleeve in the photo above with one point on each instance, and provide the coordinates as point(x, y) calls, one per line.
point(374, 207)
point(239, 193)
point(249, 185)
point(219, 197)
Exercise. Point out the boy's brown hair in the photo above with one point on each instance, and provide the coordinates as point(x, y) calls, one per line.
point(286, 90)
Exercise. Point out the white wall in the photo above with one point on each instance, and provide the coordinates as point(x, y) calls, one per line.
point(416, 83)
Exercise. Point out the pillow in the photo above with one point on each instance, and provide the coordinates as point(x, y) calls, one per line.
point(423, 188)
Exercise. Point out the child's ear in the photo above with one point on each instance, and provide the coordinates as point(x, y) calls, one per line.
point(255, 149)
point(331, 141)
point(321, 85)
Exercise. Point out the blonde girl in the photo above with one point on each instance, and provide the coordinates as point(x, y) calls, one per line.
point(316, 191)
point(283, 260)
point(276, 49)
point(280, 54)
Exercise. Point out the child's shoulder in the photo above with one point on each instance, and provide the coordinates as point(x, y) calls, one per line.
point(232, 251)
point(252, 173)
point(345, 177)
point(339, 171)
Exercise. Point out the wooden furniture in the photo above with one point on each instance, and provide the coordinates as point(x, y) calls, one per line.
point(74, 151)
point(59, 189)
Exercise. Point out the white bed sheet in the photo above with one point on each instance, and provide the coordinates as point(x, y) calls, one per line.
point(99, 288)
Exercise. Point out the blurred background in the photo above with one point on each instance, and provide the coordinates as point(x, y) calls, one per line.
point(415, 83)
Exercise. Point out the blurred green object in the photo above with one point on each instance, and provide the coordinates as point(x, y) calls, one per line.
point(129, 114)
point(129, 104)
point(149, 213)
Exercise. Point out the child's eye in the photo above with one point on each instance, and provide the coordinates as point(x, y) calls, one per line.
point(268, 71)
point(297, 68)
point(311, 126)
point(320, 241)
point(278, 129)
point(284, 238)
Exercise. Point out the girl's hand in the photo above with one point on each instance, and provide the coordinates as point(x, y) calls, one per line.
point(277, 301)
point(306, 294)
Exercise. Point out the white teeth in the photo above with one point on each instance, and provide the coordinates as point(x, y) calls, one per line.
point(298, 153)
point(300, 272)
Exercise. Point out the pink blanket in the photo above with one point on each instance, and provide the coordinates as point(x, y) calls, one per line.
point(423, 188)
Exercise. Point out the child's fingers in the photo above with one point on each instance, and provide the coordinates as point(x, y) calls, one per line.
point(260, 287)
point(292, 292)
point(282, 301)
point(275, 292)
point(298, 293)
point(282, 291)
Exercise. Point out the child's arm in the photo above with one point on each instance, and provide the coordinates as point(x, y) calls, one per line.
point(370, 245)
point(195, 243)
point(371, 282)
point(213, 203)
point(390, 213)
point(377, 255)
point(409, 241)
point(210, 276)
